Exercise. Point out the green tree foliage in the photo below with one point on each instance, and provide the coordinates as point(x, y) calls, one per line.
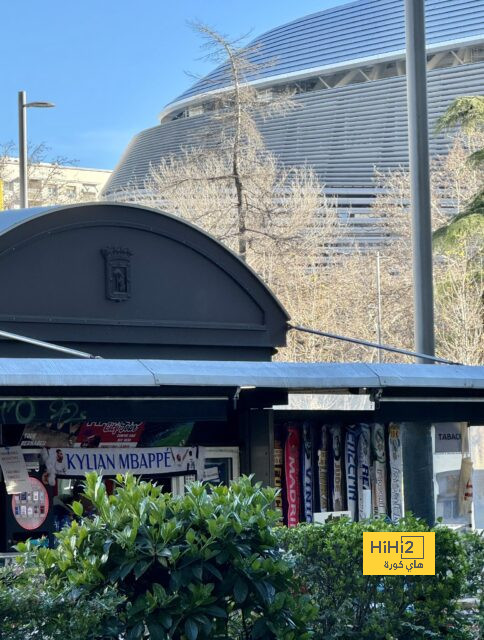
point(203, 565)
point(329, 560)
point(468, 113)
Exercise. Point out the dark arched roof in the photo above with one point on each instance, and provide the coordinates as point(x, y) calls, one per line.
point(125, 280)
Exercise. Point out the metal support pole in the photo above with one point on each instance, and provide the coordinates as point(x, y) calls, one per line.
point(22, 149)
point(378, 294)
point(417, 438)
point(419, 176)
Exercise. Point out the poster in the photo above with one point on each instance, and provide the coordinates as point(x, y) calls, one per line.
point(127, 433)
point(307, 471)
point(291, 459)
point(113, 434)
point(336, 476)
point(351, 468)
point(378, 470)
point(73, 462)
point(396, 471)
point(14, 470)
point(364, 462)
point(323, 469)
point(50, 434)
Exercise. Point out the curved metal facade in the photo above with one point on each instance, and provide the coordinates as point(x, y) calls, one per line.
point(347, 130)
point(351, 32)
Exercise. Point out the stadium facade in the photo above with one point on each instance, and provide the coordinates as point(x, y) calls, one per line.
point(346, 66)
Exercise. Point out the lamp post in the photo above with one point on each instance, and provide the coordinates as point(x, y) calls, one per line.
point(23, 105)
point(417, 436)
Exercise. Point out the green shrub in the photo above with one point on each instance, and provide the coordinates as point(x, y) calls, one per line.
point(31, 609)
point(474, 588)
point(202, 565)
point(329, 559)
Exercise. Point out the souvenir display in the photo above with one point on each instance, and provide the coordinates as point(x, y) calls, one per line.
point(351, 469)
point(292, 475)
point(307, 473)
point(356, 468)
point(378, 470)
point(395, 461)
point(30, 508)
point(364, 489)
point(323, 469)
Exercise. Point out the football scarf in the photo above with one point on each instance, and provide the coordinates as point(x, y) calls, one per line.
point(396, 471)
point(323, 469)
point(278, 462)
point(351, 469)
point(364, 490)
point(307, 473)
point(378, 468)
point(336, 476)
point(291, 472)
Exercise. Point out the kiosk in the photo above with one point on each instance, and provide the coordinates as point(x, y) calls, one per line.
point(176, 380)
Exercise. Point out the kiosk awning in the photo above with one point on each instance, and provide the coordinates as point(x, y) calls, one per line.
point(34, 389)
point(290, 376)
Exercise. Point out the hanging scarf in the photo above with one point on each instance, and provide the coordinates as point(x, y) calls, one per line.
point(351, 469)
point(323, 469)
point(364, 462)
point(291, 458)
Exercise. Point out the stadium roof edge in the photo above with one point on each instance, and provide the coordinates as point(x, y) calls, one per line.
point(301, 74)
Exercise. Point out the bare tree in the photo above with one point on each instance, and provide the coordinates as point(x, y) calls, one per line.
point(278, 219)
point(47, 183)
point(458, 248)
point(230, 164)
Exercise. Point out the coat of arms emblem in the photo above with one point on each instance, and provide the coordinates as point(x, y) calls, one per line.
point(118, 273)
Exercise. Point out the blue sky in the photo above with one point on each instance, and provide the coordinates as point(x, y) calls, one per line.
point(111, 65)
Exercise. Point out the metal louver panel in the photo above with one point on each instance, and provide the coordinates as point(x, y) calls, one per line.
point(342, 133)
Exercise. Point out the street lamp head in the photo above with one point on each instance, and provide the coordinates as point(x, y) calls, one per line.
point(40, 105)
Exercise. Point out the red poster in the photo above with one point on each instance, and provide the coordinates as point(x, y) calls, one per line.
point(112, 434)
point(293, 487)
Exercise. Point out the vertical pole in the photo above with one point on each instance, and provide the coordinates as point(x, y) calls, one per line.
point(378, 293)
point(22, 149)
point(419, 176)
point(417, 438)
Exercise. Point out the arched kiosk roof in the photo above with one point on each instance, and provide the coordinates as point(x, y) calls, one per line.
point(123, 281)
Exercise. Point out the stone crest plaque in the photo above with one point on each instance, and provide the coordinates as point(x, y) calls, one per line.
point(117, 261)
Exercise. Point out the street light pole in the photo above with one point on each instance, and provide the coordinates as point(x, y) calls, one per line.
point(378, 301)
point(22, 149)
point(418, 144)
point(417, 436)
point(23, 105)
